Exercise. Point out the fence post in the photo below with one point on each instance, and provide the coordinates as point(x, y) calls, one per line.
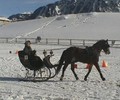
point(83, 42)
point(46, 41)
point(70, 41)
point(15, 40)
point(58, 41)
point(25, 39)
point(6, 40)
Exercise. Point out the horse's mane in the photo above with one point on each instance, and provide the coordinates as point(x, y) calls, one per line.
point(98, 43)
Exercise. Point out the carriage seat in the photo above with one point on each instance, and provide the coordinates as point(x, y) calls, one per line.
point(31, 62)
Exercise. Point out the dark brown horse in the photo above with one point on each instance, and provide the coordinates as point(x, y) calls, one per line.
point(89, 55)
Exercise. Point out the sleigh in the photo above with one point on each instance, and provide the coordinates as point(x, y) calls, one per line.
point(37, 69)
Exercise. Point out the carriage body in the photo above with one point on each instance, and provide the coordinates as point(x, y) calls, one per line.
point(44, 68)
point(35, 64)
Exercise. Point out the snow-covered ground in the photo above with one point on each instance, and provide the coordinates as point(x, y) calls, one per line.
point(88, 26)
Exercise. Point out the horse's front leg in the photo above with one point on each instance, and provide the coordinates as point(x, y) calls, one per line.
point(98, 68)
point(63, 71)
point(89, 70)
point(73, 70)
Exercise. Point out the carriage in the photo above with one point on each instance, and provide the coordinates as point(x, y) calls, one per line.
point(36, 68)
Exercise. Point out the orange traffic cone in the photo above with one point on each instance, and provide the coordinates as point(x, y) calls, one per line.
point(75, 66)
point(104, 64)
point(88, 66)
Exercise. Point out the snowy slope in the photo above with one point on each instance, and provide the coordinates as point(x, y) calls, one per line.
point(80, 26)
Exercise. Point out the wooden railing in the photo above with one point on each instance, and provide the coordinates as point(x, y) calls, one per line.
point(54, 41)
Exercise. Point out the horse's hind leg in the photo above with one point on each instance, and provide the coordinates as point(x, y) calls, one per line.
point(73, 70)
point(98, 68)
point(89, 70)
point(63, 71)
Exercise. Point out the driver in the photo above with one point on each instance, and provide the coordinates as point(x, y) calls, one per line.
point(27, 49)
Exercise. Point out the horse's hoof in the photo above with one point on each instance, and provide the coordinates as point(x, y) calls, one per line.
point(77, 78)
point(103, 79)
point(61, 79)
point(85, 79)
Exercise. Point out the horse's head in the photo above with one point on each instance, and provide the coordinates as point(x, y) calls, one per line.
point(103, 45)
point(106, 47)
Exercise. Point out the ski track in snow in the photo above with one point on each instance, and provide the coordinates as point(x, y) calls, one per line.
point(44, 25)
point(32, 32)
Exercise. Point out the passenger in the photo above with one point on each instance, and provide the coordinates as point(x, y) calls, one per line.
point(32, 57)
point(27, 49)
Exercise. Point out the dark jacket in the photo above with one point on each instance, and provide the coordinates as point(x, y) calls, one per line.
point(27, 50)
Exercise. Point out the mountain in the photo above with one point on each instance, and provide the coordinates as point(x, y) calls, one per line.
point(20, 17)
point(63, 7)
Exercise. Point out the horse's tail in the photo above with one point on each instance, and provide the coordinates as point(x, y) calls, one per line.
point(62, 59)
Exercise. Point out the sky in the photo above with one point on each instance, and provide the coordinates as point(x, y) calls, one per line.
point(10, 7)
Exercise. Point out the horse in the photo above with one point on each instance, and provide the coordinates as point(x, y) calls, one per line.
point(89, 55)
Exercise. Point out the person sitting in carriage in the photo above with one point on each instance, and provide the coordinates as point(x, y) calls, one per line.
point(31, 54)
point(27, 49)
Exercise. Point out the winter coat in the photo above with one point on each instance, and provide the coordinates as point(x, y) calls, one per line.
point(28, 50)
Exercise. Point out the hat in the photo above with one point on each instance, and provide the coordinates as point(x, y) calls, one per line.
point(26, 42)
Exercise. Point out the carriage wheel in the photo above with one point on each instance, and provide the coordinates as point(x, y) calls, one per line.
point(29, 74)
point(44, 73)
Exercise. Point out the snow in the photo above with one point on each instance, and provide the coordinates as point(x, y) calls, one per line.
point(88, 26)
point(98, 25)
point(4, 19)
point(57, 10)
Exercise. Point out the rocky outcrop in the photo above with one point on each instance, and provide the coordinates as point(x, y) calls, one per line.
point(70, 7)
